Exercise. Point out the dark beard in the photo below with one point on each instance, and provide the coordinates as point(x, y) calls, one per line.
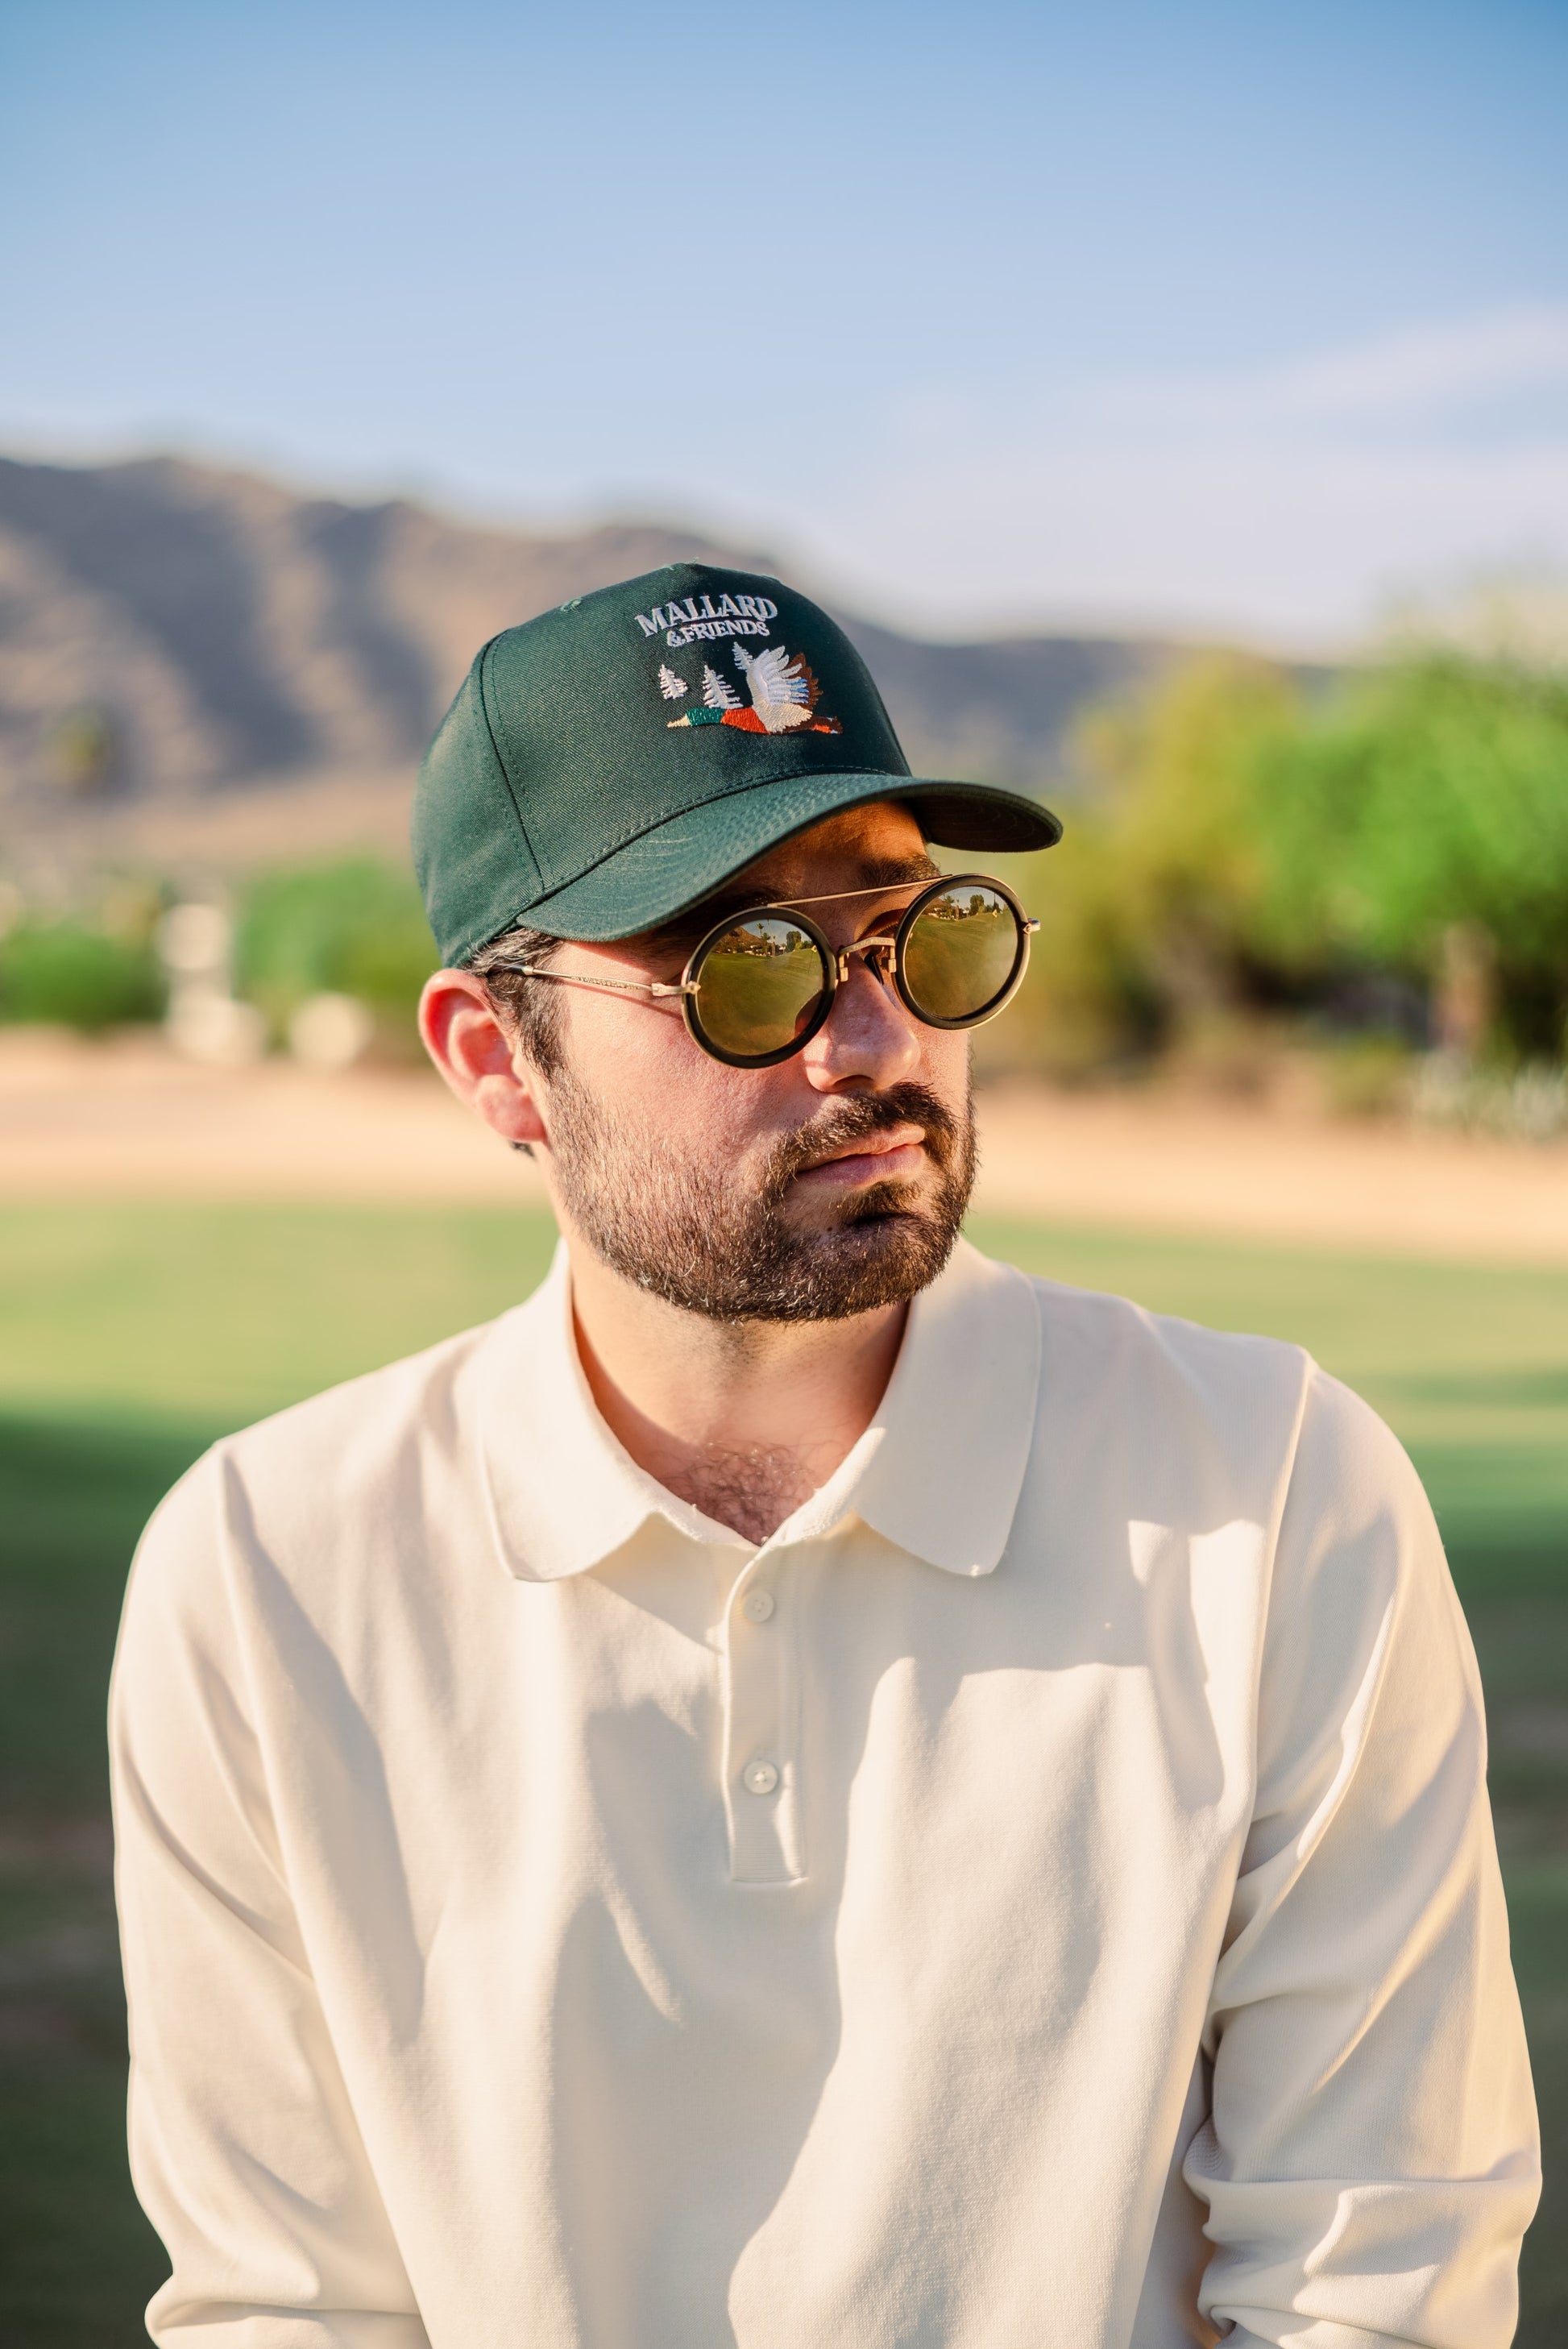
point(687, 1232)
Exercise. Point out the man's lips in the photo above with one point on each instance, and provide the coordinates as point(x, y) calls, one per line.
point(897, 1156)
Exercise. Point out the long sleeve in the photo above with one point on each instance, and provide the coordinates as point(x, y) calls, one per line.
point(1370, 2161)
point(244, 2149)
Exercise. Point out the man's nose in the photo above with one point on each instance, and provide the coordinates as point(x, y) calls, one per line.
point(869, 1038)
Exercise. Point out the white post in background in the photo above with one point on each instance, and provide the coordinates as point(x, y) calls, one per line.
point(205, 1022)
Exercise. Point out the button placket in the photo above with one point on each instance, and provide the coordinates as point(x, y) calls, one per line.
point(761, 1761)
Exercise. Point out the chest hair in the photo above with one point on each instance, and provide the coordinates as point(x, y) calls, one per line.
point(753, 1489)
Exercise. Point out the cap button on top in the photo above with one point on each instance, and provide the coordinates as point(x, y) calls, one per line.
point(759, 1778)
point(757, 1606)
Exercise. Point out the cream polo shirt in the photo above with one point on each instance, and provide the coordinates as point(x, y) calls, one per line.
point(1045, 1895)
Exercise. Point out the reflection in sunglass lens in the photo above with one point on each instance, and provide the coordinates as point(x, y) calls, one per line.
point(758, 985)
point(961, 952)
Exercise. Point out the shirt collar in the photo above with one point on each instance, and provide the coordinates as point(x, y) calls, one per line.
point(938, 1472)
point(946, 1453)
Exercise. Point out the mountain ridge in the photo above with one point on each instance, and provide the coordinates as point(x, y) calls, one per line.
point(173, 632)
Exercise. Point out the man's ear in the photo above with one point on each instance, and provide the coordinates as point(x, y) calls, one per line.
point(465, 1038)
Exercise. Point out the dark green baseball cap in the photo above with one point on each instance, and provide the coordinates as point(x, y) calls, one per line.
point(608, 764)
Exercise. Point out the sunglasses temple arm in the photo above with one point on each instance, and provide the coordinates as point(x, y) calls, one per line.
point(615, 986)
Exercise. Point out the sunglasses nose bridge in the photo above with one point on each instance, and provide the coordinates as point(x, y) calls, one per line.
point(878, 954)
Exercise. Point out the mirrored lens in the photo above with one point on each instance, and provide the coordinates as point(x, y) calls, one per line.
point(961, 952)
point(758, 985)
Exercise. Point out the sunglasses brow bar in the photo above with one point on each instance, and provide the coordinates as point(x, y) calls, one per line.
point(688, 987)
point(877, 889)
point(742, 910)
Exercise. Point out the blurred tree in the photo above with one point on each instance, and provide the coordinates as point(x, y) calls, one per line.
point(1150, 907)
point(1088, 1001)
point(1421, 823)
point(1243, 844)
point(1180, 774)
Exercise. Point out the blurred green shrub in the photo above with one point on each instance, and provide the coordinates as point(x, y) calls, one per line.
point(354, 928)
point(1367, 1075)
point(79, 975)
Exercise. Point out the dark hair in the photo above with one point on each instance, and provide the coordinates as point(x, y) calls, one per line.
point(529, 1007)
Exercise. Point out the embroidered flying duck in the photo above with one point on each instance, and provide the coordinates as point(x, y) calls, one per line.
point(784, 696)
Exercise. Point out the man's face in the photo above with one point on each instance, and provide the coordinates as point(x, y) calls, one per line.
point(826, 1185)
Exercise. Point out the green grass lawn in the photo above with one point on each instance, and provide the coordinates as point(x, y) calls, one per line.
point(130, 1336)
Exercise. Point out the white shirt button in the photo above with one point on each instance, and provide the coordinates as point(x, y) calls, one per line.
point(757, 1605)
point(759, 1778)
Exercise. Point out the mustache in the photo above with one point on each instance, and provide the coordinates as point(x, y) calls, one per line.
point(856, 1119)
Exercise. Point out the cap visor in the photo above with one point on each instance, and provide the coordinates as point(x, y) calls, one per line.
point(677, 863)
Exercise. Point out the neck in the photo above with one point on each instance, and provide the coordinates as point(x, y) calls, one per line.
point(743, 1420)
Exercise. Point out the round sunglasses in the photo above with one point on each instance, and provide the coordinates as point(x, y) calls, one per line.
point(760, 986)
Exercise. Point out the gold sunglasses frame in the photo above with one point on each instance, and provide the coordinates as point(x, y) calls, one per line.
point(889, 962)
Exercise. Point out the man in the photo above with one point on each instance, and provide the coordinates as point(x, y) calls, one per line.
point(799, 1788)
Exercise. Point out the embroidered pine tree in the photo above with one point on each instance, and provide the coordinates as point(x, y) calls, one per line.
point(784, 696)
point(671, 685)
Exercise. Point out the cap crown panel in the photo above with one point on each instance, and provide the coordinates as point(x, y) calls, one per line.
point(588, 735)
point(616, 760)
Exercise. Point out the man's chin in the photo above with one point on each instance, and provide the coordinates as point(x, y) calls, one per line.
point(813, 1213)
point(880, 1248)
point(776, 1249)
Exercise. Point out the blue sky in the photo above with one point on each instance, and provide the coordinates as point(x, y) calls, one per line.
point(1214, 316)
